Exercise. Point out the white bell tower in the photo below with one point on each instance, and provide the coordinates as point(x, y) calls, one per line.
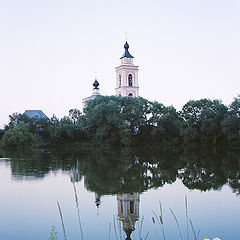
point(127, 76)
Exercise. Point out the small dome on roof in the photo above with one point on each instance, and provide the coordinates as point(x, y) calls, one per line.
point(126, 53)
point(96, 84)
point(126, 45)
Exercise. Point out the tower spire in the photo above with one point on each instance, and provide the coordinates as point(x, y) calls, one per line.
point(126, 52)
point(127, 75)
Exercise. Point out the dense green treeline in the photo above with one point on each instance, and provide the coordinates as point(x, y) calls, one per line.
point(130, 121)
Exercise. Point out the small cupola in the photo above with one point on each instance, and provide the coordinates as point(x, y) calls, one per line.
point(96, 88)
point(96, 84)
point(126, 52)
point(94, 94)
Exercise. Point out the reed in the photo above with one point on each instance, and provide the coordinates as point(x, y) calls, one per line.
point(156, 219)
point(78, 210)
point(186, 209)
point(140, 230)
point(146, 236)
point(159, 220)
point(193, 230)
point(61, 216)
point(179, 230)
point(53, 234)
point(109, 232)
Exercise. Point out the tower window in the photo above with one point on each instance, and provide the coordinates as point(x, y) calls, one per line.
point(130, 80)
point(131, 207)
point(120, 80)
point(130, 95)
point(121, 206)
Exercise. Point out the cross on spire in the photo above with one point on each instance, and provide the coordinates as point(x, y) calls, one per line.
point(95, 75)
point(126, 35)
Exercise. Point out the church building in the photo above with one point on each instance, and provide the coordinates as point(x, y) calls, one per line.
point(126, 78)
point(94, 95)
point(128, 211)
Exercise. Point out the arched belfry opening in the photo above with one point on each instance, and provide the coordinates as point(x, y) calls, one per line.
point(127, 75)
point(130, 80)
point(120, 80)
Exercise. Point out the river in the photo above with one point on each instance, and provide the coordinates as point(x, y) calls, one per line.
point(117, 194)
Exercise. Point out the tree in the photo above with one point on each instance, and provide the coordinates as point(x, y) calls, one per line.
point(15, 118)
point(116, 120)
point(166, 124)
point(74, 115)
point(231, 122)
point(1, 133)
point(130, 121)
point(64, 131)
point(102, 119)
point(203, 120)
point(19, 136)
point(39, 126)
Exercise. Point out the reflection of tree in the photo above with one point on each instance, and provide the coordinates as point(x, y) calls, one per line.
point(30, 167)
point(231, 169)
point(206, 170)
point(112, 171)
point(121, 173)
point(36, 165)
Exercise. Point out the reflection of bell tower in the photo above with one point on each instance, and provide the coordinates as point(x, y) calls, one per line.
point(97, 202)
point(127, 76)
point(128, 211)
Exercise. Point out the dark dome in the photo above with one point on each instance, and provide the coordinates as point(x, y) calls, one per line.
point(96, 84)
point(126, 45)
point(126, 52)
point(128, 233)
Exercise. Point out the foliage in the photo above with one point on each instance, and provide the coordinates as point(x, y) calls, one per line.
point(115, 119)
point(46, 131)
point(1, 133)
point(166, 124)
point(37, 126)
point(19, 136)
point(203, 120)
point(231, 123)
point(131, 121)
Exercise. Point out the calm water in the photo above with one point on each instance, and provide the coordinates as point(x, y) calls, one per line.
point(121, 187)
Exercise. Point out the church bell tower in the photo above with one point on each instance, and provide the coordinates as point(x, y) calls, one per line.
point(127, 76)
point(128, 211)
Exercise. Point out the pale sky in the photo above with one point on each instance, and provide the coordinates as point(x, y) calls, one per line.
point(50, 49)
